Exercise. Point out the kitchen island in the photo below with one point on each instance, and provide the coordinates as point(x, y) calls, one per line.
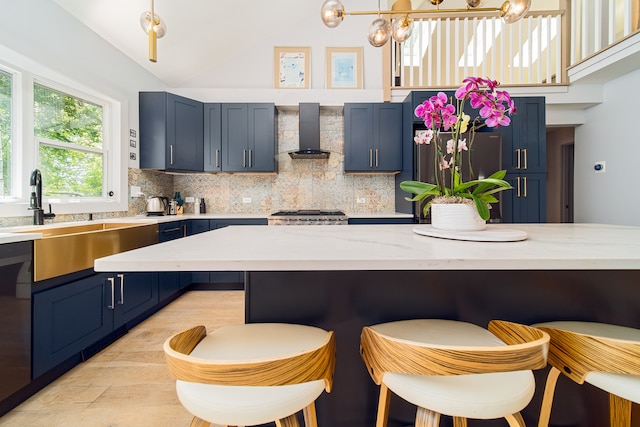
point(344, 277)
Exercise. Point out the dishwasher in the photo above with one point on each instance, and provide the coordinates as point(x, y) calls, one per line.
point(15, 319)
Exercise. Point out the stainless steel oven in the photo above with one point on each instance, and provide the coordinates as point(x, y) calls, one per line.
point(308, 217)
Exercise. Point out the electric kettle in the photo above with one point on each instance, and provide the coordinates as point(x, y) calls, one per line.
point(156, 205)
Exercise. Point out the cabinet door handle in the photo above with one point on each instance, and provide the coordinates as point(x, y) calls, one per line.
point(524, 152)
point(184, 230)
point(518, 186)
point(518, 156)
point(244, 158)
point(250, 158)
point(113, 297)
point(171, 230)
point(121, 277)
point(524, 182)
point(370, 158)
point(171, 154)
point(217, 158)
point(376, 157)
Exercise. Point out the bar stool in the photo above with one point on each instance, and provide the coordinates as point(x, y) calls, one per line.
point(605, 356)
point(251, 374)
point(454, 368)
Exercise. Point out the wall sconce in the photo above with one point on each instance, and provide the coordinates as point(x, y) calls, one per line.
point(381, 30)
point(155, 28)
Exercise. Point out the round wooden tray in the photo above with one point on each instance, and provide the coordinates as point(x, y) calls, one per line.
point(492, 233)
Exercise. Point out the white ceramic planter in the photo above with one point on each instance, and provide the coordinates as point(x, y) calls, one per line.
point(456, 217)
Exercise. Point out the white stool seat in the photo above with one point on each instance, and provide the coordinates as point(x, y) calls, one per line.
point(626, 386)
point(246, 405)
point(241, 345)
point(479, 396)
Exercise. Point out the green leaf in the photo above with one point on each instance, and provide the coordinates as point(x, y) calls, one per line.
point(482, 208)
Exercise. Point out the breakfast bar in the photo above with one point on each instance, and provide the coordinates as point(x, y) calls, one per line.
point(342, 278)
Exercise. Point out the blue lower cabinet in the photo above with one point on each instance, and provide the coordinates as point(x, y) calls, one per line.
point(71, 318)
point(135, 293)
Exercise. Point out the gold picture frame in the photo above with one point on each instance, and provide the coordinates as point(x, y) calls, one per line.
point(292, 67)
point(344, 67)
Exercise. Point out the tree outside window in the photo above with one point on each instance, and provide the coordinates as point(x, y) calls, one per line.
point(69, 134)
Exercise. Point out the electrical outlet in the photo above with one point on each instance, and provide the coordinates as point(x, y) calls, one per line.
point(189, 199)
point(361, 200)
point(246, 200)
point(600, 167)
point(135, 191)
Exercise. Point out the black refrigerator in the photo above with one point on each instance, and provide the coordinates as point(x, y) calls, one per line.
point(486, 158)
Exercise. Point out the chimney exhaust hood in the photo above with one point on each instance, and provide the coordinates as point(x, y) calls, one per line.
point(309, 133)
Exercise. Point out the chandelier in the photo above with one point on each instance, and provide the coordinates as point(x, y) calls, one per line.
point(400, 25)
point(155, 28)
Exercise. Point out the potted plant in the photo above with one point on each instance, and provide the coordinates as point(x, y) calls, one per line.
point(466, 200)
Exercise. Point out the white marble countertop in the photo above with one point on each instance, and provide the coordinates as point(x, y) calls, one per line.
point(384, 247)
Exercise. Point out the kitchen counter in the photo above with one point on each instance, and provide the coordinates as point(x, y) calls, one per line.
point(344, 277)
point(385, 247)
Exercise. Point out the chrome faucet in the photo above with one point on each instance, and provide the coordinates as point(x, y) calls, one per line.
point(35, 202)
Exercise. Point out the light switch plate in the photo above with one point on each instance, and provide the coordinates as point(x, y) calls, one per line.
point(361, 200)
point(246, 200)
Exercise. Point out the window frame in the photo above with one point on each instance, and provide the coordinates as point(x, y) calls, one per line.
point(25, 74)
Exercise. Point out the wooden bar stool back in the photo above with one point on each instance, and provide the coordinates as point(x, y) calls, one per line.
point(454, 368)
point(245, 375)
point(603, 355)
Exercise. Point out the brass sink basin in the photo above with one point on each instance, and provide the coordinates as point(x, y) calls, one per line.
point(67, 249)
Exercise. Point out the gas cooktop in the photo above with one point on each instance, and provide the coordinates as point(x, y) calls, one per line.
point(308, 212)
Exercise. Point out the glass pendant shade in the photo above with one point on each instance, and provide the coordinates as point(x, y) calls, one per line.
point(475, 3)
point(332, 13)
point(402, 28)
point(513, 10)
point(145, 22)
point(379, 32)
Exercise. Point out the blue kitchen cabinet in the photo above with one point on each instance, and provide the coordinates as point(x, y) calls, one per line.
point(171, 282)
point(171, 132)
point(135, 294)
point(212, 137)
point(372, 137)
point(248, 137)
point(71, 319)
point(527, 201)
point(524, 157)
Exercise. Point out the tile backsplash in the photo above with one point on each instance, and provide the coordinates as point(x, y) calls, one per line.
point(302, 183)
point(299, 184)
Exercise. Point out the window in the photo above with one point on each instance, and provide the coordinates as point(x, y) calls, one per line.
point(69, 131)
point(6, 132)
point(69, 134)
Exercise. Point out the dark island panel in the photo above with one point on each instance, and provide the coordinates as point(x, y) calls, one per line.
point(345, 301)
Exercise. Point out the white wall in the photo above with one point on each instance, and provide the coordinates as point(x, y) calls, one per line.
point(610, 133)
point(39, 36)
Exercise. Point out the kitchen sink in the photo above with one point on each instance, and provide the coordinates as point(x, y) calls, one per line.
point(67, 249)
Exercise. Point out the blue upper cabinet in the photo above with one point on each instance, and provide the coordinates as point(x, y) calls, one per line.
point(247, 137)
point(525, 141)
point(372, 137)
point(212, 137)
point(171, 132)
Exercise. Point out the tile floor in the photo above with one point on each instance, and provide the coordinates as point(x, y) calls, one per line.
point(127, 384)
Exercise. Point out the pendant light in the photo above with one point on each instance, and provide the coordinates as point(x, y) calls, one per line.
point(380, 31)
point(155, 27)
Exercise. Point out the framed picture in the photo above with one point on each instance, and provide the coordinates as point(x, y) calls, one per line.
point(344, 68)
point(291, 67)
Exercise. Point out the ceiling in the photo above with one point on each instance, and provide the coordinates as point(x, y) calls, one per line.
point(202, 35)
point(207, 40)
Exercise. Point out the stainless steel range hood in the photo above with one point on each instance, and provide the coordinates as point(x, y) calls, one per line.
point(309, 133)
